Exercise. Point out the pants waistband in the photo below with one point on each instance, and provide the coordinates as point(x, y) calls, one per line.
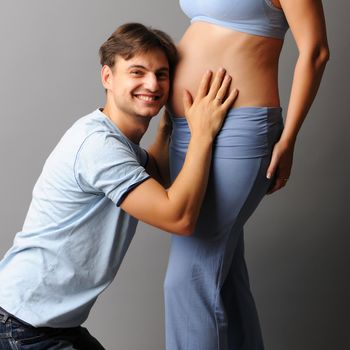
point(4, 316)
point(247, 132)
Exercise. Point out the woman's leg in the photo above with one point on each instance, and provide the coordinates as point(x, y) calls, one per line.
point(243, 323)
point(196, 314)
point(207, 296)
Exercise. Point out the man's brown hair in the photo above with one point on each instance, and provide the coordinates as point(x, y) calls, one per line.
point(131, 39)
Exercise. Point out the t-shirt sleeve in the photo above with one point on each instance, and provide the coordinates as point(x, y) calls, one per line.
point(106, 165)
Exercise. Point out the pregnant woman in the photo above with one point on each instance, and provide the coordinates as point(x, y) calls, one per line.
point(209, 305)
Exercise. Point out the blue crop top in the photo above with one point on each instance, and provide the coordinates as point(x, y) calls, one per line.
point(258, 17)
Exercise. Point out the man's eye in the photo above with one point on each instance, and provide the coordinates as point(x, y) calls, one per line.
point(163, 76)
point(136, 72)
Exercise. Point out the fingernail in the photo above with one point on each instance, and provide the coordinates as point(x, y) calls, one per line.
point(222, 69)
point(228, 77)
point(268, 175)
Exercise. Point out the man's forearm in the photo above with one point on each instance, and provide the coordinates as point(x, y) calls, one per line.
point(175, 210)
point(187, 191)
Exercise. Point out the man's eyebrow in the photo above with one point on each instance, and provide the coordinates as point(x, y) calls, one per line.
point(136, 66)
point(139, 66)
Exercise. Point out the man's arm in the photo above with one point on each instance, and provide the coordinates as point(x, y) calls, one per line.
point(176, 210)
point(158, 163)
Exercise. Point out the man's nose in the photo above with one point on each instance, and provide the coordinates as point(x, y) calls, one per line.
point(151, 82)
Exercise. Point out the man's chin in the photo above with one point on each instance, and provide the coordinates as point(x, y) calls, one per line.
point(149, 112)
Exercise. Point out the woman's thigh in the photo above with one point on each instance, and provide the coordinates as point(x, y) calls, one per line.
point(237, 180)
point(236, 187)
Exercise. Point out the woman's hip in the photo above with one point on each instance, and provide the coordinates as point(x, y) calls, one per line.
point(247, 132)
point(241, 156)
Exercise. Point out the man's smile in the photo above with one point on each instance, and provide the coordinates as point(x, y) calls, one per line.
point(147, 97)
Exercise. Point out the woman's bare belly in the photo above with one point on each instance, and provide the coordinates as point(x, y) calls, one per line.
point(251, 60)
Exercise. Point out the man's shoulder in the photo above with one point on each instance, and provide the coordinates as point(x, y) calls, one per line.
point(95, 127)
point(91, 122)
point(97, 121)
point(95, 137)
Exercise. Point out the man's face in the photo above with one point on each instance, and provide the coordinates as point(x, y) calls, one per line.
point(139, 87)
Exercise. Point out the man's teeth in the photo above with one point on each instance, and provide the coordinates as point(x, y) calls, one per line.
point(147, 98)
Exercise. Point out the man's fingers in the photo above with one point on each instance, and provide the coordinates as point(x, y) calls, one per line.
point(216, 84)
point(204, 84)
point(224, 88)
point(230, 99)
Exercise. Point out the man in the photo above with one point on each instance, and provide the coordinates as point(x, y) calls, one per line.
point(95, 185)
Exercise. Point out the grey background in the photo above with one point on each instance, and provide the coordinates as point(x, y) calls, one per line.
point(296, 243)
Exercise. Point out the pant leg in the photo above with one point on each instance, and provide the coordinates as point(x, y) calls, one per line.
point(197, 315)
point(243, 330)
point(190, 294)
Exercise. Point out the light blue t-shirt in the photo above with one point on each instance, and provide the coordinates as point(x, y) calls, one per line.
point(75, 235)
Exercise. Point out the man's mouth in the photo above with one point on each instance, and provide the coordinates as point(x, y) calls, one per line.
point(147, 98)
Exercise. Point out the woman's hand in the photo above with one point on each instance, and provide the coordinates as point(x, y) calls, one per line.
point(280, 166)
point(206, 113)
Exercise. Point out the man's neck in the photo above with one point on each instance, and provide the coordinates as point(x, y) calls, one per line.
point(133, 127)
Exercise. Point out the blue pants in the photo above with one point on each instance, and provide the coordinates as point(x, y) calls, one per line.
point(208, 302)
point(17, 335)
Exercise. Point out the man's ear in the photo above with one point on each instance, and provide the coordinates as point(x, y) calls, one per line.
point(106, 76)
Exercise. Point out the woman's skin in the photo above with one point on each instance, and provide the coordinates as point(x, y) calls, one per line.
point(252, 61)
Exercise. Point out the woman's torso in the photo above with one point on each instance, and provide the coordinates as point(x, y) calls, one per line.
point(251, 60)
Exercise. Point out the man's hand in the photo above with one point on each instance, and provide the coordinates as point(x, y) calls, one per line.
point(206, 113)
point(205, 116)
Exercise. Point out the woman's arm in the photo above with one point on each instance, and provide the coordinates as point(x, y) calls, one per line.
point(307, 23)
